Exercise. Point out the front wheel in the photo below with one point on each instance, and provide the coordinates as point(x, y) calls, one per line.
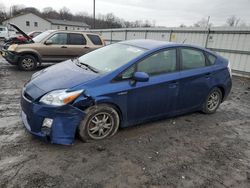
point(213, 101)
point(27, 63)
point(101, 121)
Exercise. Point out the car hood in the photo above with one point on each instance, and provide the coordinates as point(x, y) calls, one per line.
point(60, 76)
point(19, 30)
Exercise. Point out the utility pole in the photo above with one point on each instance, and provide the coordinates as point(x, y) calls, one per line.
point(208, 19)
point(94, 14)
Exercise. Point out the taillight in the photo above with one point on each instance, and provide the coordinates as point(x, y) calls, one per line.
point(229, 68)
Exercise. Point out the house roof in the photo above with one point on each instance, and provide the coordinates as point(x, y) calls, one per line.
point(55, 21)
point(67, 22)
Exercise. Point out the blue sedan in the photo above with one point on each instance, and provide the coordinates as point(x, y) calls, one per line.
point(121, 85)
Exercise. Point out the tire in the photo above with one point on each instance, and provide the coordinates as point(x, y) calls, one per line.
point(213, 101)
point(101, 121)
point(27, 63)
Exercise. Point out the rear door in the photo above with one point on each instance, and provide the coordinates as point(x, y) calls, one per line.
point(195, 78)
point(96, 41)
point(77, 45)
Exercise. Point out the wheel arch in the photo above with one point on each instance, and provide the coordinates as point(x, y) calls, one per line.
point(34, 54)
point(222, 89)
point(112, 104)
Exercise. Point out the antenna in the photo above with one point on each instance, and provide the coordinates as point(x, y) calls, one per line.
point(184, 41)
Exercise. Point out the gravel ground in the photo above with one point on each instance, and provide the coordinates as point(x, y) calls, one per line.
point(194, 150)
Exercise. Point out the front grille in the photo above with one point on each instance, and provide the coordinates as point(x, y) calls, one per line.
point(27, 96)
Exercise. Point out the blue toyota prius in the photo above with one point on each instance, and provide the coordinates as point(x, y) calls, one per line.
point(121, 85)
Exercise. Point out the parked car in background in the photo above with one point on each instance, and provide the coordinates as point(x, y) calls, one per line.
point(121, 85)
point(20, 39)
point(4, 32)
point(51, 46)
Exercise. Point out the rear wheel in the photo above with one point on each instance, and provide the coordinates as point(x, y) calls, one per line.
point(213, 101)
point(101, 121)
point(27, 63)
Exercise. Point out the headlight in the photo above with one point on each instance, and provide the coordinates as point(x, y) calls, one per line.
point(60, 97)
point(12, 47)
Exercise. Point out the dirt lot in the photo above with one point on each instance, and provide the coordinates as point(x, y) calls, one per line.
point(194, 150)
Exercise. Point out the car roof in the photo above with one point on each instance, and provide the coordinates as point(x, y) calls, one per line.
point(149, 44)
point(74, 31)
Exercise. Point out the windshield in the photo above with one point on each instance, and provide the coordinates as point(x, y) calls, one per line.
point(40, 37)
point(111, 57)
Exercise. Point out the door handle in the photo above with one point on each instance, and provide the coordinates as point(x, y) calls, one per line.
point(173, 84)
point(207, 75)
point(63, 46)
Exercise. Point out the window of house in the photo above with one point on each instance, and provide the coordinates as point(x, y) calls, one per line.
point(58, 27)
point(35, 24)
point(27, 23)
point(76, 39)
point(66, 28)
point(192, 59)
point(95, 39)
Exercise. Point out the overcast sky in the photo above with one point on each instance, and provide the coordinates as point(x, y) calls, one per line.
point(164, 12)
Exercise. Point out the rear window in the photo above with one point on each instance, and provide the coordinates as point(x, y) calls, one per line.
point(76, 39)
point(192, 59)
point(95, 39)
point(211, 58)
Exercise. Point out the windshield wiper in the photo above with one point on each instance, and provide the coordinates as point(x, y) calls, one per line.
point(86, 65)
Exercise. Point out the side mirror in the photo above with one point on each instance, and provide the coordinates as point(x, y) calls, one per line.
point(48, 42)
point(140, 77)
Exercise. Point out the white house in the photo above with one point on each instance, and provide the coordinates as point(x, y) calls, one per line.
point(31, 22)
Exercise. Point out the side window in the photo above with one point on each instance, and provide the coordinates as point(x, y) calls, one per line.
point(192, 59)
point(159, 63)
point(211, 59)
point(59, 38)
point(36, 33)
point(95, 39)
point(76, 39)
point(128, 73)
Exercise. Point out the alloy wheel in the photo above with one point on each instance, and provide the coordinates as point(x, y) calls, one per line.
point(100, 125)
point(28, 63)
point(213, 101)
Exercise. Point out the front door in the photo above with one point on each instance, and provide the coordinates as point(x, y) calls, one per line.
point(55, 48)
point(156, 97)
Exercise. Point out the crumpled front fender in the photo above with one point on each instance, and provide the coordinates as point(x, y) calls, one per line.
point(65, 125)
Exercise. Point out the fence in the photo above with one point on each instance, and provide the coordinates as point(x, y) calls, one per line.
point(231, 43)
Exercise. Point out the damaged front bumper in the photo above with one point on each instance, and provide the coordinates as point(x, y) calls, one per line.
point(10, 57)
point(65, 121)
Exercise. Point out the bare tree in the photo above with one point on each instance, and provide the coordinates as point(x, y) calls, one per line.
point(65, 14)
point(102, 21)
point(3, 14)
point(203, 23)
point(49, 12)
point(16, 9)
point(233, 21)
point(182, 25)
